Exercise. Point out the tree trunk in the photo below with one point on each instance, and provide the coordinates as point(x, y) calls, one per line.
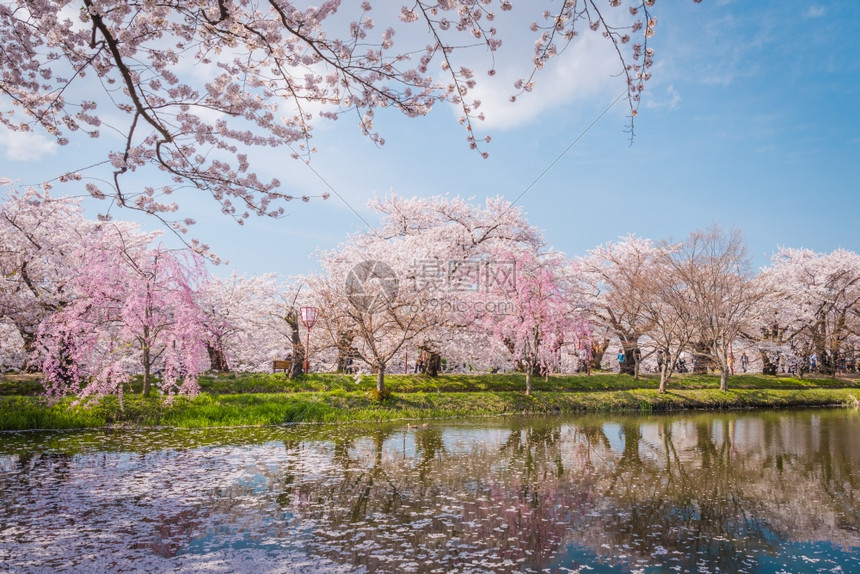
point(637, 362)
point(724, 379)
point(528, 379)
point(702, 358)
point(29, 340)
point(430, 360)
point(628, 367)
point(767, 366)
point(66, 364)
point(433, 363)
point(217, 360)
point(298, 359)
point(297, 364)
point(663, 379)
point(380, 379)
point(827, 364)
point(147, 381)
point(598, 349)
point(344, 353)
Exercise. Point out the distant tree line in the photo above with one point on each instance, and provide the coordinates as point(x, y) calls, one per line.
point(439, 283)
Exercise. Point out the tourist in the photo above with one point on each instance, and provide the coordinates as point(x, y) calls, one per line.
point(583, 360)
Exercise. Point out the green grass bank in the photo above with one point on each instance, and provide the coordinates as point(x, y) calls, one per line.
point(265, 399)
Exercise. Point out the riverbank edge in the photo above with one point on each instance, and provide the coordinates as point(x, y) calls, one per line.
point(207, 411)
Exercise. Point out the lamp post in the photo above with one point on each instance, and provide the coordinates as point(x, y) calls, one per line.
point(309, 317)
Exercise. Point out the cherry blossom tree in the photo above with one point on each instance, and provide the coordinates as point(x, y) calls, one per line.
point(365, 306)
point(425, 268)
point(240, 316)
point(719, 293)
point(34, 233)
point(134, 312)
point(193, 87)
point(672, 326)
point(453, 243)
point(814, 307)
point(540, 318)
point(43, 241)
point(615, 282)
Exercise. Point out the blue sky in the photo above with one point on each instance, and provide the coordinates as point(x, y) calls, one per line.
point(749, 121)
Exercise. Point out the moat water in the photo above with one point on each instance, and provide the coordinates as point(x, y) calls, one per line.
point(767, 491)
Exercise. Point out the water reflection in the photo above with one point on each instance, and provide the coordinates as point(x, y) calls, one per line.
point(757, 492)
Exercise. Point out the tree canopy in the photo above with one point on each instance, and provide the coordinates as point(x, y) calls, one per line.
point(92, 303)
point(190, 89)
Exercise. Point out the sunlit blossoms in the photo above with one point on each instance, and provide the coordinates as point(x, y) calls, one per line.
point(194, 87)
point(439, 285)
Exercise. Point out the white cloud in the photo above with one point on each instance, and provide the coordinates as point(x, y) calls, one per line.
point(25, 146)
point(674, 97)
point(669, 99)
point(589, 68)
point(816, 12)
point(73, 14)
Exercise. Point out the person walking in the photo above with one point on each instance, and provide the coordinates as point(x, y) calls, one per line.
point(582, 367)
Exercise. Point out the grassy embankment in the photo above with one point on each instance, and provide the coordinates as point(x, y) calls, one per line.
point(258, 399)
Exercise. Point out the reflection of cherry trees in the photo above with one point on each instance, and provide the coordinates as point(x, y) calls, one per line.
point(688, 495)
point(411, 496)
point(683, 489)
point(692, 492)
point(685, 492)
point(698, 512)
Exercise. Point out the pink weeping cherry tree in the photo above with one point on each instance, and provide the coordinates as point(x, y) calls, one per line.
point(540, 316)
point(43, 243)
point(134, 313)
